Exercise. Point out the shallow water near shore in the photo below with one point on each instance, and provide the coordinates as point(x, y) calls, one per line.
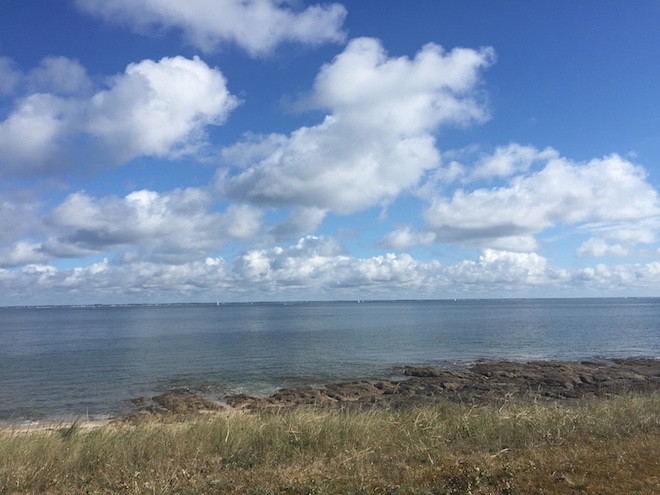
point(62, 362)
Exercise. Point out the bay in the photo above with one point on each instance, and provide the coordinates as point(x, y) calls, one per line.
point(62, 362)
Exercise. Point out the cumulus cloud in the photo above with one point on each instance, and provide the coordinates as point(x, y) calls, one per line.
point(405, 237)
point(321, 267)
point(299, 222)
point(510, 160)
point(329, 167)
point(503, 269)
point(22, 253)
point(376, 142)
point(257, 26)
point(153, 109)
point(20, 225)
point(137, 281)
point(18, 216)
point(42, 118)
point(367, 86)
point(319, 263)
point(34, 133)
point(59, 75)
point(167, 226)
point(54, 75)
point(599, 247)
point(615, 279)
point(609, 191)
point(160, 108)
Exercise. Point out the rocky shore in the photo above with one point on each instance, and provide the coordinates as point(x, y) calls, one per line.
point(483, 382)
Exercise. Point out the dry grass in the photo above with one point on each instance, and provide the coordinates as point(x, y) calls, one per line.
point(604, 446)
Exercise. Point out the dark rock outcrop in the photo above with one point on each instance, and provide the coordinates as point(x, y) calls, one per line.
point(483, 382)
point(177, 402)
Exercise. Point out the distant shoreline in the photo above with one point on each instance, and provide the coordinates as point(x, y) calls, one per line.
point(321, 301)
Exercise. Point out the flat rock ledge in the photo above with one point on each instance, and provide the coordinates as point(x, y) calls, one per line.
point(180, 402)
point(483, 382)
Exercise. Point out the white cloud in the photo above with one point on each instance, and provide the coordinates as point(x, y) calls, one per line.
point(241, 222)
point(376, 143)
point(154, 109)
point(510, 160)
point(447, 174)
point(59, 75)
point(367, 86)
point(35, 131)
point(639, 231)
point(404, 238)
point(22, 253)
point(503, 269)
point(599, 247)
point(619, 279)
point(160, 108)
point(132, 282)
point(318, 267)
point(18, 217)
point(608, 191)
point(333, 167)
point(299, 222)
point(320, 264)
point(253, 149)
point(146, 224)
point(257, 26)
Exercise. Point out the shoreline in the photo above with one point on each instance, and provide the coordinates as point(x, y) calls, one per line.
point(489, 428)
point(480, 383)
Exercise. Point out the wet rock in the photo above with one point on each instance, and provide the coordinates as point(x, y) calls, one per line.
point(244, 401)
point(484, 382)
point(178, 402)
point(184, 402)
point(451, 386)
point(387, 387)
point(421, 372)
point(299, 396)
point(352, 391)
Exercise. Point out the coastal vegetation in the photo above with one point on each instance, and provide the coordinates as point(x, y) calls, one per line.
point(604, 445)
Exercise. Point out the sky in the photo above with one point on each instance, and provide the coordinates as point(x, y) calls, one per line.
point(156, 151)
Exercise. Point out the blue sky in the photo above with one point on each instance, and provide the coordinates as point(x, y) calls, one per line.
point(161, 151)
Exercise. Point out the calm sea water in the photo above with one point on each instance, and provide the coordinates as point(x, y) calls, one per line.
point(67, 361)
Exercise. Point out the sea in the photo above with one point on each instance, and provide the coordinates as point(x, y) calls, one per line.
point(63, 362)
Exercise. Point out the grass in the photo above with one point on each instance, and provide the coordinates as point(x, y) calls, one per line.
point(604, 446)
